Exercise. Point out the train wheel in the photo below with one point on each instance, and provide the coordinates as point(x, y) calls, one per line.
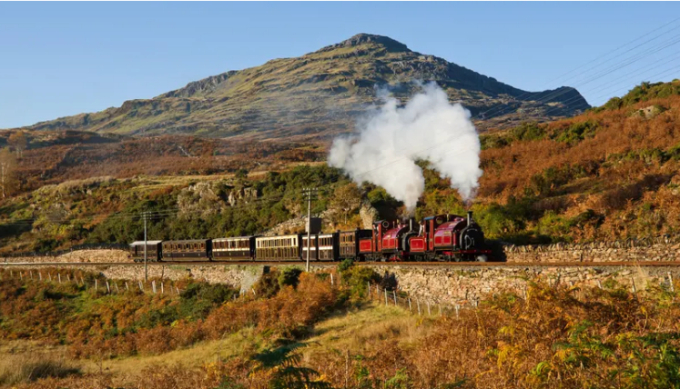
point(481, 258)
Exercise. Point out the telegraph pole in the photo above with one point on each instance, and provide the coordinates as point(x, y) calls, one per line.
point(310, 193)
point(146, 262)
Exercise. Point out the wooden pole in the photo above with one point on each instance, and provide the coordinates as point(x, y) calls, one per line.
point(670, 280)
point(394, 294)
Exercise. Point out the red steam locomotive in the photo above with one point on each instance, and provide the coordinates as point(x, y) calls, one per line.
point(438, 238)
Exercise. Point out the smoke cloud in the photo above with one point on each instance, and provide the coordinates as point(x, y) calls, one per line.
point(392, 138)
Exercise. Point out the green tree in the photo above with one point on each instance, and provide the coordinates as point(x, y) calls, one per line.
point(346, 199)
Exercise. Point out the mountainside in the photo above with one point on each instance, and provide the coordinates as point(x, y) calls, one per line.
point(318, 94)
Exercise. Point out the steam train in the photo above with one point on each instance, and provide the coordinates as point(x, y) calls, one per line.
point(437, 238)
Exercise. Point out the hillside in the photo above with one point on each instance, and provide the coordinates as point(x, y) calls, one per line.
point(318, 94)
point(610, 173)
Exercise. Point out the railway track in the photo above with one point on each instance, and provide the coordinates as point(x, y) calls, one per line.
point(372, 264)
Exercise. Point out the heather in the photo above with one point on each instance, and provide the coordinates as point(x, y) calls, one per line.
point(323, 335)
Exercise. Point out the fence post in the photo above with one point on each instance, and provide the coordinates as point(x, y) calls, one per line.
point(126, 286)
point(409, 304)
point(49, 276)
point(369, 289)
point(108, 288)
point(21, 275)
point(59, 277)
point(440, 309)
point(68, 277)
point(96, 284)
point(385, 297)
point(418, 304)
point(599, 284)
point(162, 288)
point(428, 309)
point(153, 286)
point(670, 279)
point(141, 286)
point(117, 288)
point(40, 275)
point(31, 273)
point(632, 281)
point(332, 282)
point(456, 307)
point(394, 294)
point(82, 279)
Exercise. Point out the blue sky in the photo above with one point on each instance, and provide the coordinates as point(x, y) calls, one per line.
point(60, 59)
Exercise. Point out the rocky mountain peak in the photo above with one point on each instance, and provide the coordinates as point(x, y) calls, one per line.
point(389, 43)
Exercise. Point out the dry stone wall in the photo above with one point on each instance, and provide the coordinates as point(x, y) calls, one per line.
point(661, 249)
point(438, 285)
point(467, 285)
point(81, 256)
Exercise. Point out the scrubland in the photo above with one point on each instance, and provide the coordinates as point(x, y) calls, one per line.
point(300, 331)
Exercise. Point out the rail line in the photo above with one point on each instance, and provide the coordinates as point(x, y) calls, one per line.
point(371, 264)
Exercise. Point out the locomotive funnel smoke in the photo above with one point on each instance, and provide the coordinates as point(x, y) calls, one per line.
point(393, 138)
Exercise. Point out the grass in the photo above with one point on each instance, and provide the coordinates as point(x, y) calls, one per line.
point(23, 361)
point(210, 351)
point(353, 330)
point(29, 367)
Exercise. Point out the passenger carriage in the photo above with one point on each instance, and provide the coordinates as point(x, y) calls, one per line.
point(241, 248)
point(278, 248)
point(187, 250)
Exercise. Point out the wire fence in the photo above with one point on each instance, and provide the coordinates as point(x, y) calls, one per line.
point(414, 304)
point(97, 283)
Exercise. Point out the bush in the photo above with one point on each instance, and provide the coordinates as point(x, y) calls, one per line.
point(289, 277)
point(268, 285)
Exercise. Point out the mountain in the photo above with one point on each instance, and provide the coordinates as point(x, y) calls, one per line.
point(318, 94)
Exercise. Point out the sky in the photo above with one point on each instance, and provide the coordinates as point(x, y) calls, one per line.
point(60, 59)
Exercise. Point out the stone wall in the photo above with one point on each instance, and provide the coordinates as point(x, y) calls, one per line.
point(465, 285)
point(444, 285)
point(661, 249)
point(81, 256)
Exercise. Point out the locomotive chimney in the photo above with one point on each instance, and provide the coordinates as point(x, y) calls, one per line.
point(469, 219)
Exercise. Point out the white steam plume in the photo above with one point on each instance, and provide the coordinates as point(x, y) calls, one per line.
point(389, 142)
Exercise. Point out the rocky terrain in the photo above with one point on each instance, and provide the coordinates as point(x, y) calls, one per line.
point(319, 94)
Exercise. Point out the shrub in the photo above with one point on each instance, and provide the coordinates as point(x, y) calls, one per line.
point(268, 285)
point(289, 277)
